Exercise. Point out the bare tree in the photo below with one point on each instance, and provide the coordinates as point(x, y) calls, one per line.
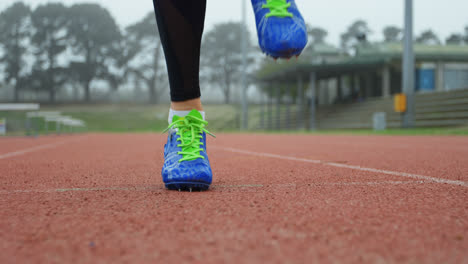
point(94, 36)
point(317, 35)
point(455, 39)
point(392, 34)
point(50, 40)
point(144, 56)
point(356, 32)
point(428, 37)
point(222, 57)
point(15, 30)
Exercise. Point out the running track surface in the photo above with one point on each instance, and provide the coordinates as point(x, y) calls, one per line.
point(275, 199)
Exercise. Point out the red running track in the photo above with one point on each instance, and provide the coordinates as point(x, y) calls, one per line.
point(275, 199)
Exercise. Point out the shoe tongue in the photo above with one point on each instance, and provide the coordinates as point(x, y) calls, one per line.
point(193, 113)
point(175, 118)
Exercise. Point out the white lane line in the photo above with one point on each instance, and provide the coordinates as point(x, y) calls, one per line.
point(373, 183)
point(353, 167)
point(33, 149)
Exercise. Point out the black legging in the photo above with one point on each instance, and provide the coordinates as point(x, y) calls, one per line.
point(180, 24)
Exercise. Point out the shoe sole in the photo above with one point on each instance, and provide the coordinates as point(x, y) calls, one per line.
point(284, 55)
point(187, 186)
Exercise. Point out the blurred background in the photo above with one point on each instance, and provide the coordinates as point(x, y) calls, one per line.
point(99, 66)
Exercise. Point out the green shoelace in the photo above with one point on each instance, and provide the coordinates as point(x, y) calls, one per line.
point(278, 8)
point(189, 129)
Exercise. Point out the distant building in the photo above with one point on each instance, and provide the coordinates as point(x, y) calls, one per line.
point(375, 71)
point(438, 68)
point(323, 53)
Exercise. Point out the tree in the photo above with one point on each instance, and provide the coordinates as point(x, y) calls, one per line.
point(37, 79)
point(455, 39)
point(50, 24)
point(355, 33)
point(392, 34)
point(94, 36)
point(428, 37)
point(15, 30)
point(222, 57)
point(143, 57)
point(316, 35)
point(466, 35)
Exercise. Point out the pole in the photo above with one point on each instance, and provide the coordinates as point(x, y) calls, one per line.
point(300, 102)
point(312, 85)
point(278, 106)
point(270, 108)
point(263, 103)
point(408, 66)
point(245, 115)
point(288, 110)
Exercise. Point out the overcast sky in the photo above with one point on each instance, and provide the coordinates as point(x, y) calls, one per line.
point(443, 16)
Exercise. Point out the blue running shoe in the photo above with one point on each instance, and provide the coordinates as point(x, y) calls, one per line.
point(186, 165)
point(281, 29)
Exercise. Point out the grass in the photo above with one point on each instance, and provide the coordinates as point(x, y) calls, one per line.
point(149, 118)
point(109, 118)
point(122, 118)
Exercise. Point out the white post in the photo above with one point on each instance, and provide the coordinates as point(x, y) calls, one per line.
point(300, 102)
point(312, 85)
point(408, 66)
point(245, 115)
point(439, 76)
point(386, 81)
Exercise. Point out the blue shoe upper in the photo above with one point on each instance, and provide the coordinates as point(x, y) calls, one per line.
point(191, 171)
point(282, 37)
